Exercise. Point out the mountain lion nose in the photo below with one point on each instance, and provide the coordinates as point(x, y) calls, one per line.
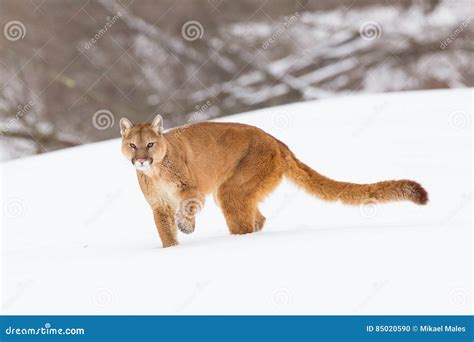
point(141, 161)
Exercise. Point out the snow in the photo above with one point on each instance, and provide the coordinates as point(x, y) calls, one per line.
point(78, 236)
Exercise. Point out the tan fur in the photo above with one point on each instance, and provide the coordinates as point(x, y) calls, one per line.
point(239, 164)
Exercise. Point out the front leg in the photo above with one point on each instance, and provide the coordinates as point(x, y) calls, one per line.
point(165, 224)
point(188, 208)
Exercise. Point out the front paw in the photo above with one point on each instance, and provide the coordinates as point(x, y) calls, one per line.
point(185, 225)
point(185, 215)
point(168, 244)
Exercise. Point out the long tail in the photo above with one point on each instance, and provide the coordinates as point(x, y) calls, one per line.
point(350, 193)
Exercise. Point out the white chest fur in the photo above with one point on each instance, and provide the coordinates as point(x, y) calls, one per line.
point(157, 190)
point(166, 192)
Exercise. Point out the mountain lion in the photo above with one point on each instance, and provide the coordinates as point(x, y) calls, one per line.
point(239, 164)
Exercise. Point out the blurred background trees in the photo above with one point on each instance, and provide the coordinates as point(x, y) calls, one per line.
point(70, 69)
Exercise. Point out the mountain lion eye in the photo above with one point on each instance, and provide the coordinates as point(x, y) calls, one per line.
point(150, 145)
point(133, 146)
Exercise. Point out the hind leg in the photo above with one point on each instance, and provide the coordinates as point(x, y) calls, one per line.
point(259, 220)
point(256, 175)
point(240, 213)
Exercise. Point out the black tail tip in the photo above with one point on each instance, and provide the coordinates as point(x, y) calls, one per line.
point(419, 194)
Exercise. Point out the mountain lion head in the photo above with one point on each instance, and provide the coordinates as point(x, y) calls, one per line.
point(143, 144)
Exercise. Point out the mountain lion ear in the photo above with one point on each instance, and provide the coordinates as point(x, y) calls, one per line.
point(157, 124)
point(125, 125)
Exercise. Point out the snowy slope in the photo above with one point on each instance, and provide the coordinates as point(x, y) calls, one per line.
point(78, 237)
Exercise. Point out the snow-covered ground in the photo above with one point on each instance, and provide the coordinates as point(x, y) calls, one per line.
point(78, 237)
